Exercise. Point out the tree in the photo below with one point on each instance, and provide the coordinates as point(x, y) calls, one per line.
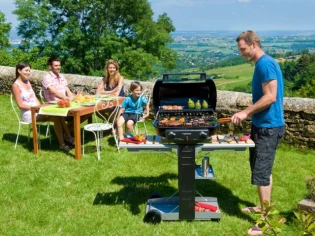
point(307, 90)
point(4, 32)
point(87, 33)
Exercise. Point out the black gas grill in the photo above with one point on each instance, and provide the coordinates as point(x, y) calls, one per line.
point(177, 122)
point(185, 130)
point(185, 126)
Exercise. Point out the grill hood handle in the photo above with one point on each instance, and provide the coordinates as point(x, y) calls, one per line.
point(203, 75)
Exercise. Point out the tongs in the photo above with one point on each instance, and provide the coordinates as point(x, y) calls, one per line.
point(225, 120)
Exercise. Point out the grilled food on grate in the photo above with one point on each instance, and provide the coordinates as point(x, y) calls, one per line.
point(172, 107)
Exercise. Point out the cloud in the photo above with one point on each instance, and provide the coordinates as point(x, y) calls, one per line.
point(244, 1)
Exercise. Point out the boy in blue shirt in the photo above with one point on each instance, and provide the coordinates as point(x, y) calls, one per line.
point(132, 109)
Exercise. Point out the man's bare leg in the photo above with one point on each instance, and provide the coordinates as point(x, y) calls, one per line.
point(264, 193)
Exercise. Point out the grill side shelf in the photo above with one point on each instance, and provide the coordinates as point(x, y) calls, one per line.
point(154, 143)
point(215, 142)
point(218, 143)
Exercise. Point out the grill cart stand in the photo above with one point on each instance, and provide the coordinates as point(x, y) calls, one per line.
point(183, 206)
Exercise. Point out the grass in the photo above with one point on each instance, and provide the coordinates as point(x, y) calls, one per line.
point(233, 76)
point(53, 194)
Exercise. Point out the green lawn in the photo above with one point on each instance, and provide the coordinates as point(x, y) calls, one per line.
point(53, 194)
point(233, 76)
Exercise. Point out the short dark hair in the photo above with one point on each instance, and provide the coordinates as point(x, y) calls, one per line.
point(249, 37)
point(52, 59)
point(20, 66)
point(134, 85)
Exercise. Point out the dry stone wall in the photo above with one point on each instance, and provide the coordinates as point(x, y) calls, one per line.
point(299, 112)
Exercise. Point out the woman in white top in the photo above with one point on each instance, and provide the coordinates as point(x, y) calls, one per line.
point(26, 98)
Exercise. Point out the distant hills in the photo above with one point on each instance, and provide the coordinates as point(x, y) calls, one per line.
point(229, 33)
point(14, 36)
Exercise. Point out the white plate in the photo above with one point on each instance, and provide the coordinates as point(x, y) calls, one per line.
point(107, 99)
point(88, 104)
point(52, 102)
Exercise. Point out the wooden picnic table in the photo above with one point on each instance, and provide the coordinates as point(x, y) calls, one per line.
point(76, 113)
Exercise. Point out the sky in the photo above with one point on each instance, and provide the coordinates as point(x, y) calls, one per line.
point(236, 15)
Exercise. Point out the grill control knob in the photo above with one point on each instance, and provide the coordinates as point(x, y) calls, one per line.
point(171, 135)
point(203, 135)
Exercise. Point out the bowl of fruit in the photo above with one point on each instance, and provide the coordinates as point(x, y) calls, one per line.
point(138, 138)
point(63, 103)
point(243, 137)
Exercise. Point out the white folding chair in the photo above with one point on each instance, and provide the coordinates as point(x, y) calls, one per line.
point(20, 122)
point(42, 100)
point(102, 124)
point(147, 94)
point(41, 96)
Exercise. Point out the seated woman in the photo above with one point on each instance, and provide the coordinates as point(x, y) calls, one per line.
point(112, 82)
point(132, 109)
point(26, 98)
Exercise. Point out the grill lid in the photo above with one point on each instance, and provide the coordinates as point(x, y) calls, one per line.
point(177, 88)
point(177, 121)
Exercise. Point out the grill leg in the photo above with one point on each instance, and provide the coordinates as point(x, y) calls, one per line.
point(186, 181)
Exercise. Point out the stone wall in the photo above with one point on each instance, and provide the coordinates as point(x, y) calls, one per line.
point(299, 112)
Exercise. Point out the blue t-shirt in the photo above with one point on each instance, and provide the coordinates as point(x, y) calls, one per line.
point(134, 106)
point(266, 68)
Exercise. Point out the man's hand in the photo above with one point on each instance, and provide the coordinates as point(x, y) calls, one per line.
point(237, 118)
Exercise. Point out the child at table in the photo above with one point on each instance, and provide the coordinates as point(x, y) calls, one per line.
point(132, 109)
point(26, 98)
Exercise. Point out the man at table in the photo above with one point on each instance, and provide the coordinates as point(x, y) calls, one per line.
point(55, 87)
point(54, 84)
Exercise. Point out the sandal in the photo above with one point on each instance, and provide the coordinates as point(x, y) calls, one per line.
point(255, 230)
point(255, 209)
point(65, 148)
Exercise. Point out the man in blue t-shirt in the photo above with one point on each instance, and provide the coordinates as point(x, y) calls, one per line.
point(268, 126)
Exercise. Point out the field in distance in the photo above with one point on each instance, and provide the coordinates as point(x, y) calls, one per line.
point(231, 78)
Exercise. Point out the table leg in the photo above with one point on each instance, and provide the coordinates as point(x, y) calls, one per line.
point(90, 120)
point(34, 128)
point(77, 136)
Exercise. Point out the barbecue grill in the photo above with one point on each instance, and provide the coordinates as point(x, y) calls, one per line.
point(174, 119)
point(185, 126)
point(187, 130)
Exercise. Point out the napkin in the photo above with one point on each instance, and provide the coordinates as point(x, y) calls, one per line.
point(131, 140)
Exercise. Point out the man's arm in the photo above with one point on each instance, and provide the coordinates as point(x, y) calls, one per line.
point(55, 93)
point(269, 97)
point(70, 95)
